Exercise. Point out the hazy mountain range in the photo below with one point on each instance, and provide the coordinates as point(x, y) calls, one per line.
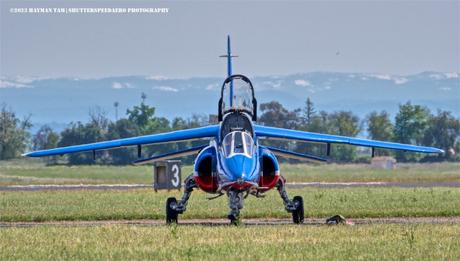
point(61, 100)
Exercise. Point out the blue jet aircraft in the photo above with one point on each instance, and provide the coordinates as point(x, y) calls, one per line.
point(234, 163)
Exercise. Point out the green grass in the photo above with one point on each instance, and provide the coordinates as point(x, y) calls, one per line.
point(146, 204)
point(405, 173)
point(290, 242)
point(33, 171)
point(21, 172)
point(75, 175)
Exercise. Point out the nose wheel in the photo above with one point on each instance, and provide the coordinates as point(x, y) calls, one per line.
point(235, 202)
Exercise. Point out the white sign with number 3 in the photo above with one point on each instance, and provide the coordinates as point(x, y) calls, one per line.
point(175, 180)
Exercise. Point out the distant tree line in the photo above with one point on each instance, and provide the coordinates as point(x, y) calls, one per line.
point(413, 124)
point(13, 134)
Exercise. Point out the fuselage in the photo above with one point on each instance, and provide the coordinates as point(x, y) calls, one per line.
point(235, 160)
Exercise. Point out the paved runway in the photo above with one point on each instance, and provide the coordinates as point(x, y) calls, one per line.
point(247, 222)
point(289, 185)
point(74, 187)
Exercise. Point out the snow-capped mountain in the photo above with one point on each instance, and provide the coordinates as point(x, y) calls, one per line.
point(62, 100)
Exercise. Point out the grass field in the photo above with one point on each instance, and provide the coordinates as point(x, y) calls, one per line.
point(146, 204)
point(290, 242)
point(195, 242)
point(33, 171)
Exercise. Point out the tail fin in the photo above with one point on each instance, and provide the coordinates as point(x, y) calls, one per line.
point(229, 57)
point(229, 66)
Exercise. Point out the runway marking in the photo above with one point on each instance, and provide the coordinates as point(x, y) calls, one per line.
point(247, 222)
point(373, 184)
point(74, 187)
point(289, 185)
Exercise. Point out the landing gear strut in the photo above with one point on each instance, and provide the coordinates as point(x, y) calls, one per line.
point(294, 206)
point(235, 202)
point(173, 207)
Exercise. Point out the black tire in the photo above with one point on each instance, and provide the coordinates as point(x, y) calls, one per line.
point(233, 220)
point(298, 214)
point(171, 214)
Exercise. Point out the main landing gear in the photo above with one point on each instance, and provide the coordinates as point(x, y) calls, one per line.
point(235, 203)
point(173, 207)
point(294, 206)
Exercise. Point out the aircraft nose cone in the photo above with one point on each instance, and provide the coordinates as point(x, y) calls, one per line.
point(240, 167)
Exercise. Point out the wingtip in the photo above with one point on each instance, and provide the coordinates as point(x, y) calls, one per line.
point(136, 163)
point(30, 154)
point(436, 151)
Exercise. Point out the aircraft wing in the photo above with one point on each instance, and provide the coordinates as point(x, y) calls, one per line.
point(287, 134)
point(180, 135)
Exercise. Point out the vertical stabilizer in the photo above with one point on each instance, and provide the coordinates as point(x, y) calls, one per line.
point(229, 57)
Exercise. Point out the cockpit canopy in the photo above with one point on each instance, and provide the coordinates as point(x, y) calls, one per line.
point(240, 99)
point(236, 121)
point(238, 142)
point(237, 95)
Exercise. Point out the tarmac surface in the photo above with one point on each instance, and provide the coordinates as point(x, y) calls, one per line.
point(289, 185)
point(246, 222)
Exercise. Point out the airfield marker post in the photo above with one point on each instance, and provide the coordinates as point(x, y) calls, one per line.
point(167, 175)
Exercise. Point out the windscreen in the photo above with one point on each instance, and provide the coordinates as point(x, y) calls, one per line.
point(238, 142)
point(237, 95)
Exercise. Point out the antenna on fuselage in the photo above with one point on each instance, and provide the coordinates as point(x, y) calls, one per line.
point(229, 57)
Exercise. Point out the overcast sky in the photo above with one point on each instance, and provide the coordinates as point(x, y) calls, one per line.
point(269, 37)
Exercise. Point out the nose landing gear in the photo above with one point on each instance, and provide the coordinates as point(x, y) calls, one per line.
point(235, 202)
